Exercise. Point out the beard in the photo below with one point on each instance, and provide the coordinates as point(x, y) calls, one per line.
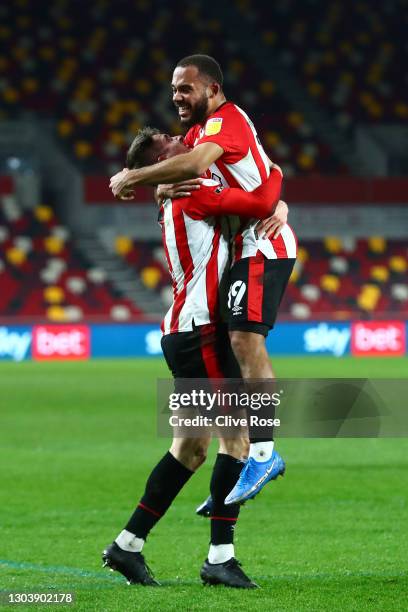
point(198, 113)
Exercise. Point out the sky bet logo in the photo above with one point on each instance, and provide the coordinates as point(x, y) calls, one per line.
point(14, 343)
point(326, 338)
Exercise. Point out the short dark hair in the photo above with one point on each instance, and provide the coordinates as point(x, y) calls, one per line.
point(205, 64)
point(138, 154)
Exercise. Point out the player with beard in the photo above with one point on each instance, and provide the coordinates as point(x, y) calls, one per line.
point(226, 145)
point(196, 345)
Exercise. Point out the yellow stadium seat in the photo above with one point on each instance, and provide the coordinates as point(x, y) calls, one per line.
point(54, 295)
point(295, 119)
point(150, 276)
point(10, 95)
point(131, 106)
point(294, 277)
point(310, 68)
point(333, 244)
point(56, 313)
point(116, 138)
point(398, 264)
point(46, 53)
point(84, 117)
point(204, 45)
point(43, 213)
point(303, 255)
point(315, 88)
point(65, 127)
point(15, 256)
point(143, 86)
point(20, 54)
point(236, 66)
point(375, 109)
point(53, 245)
point(346, 47)
point(120, 76)
point(272, 139)
point(123, 245)
point(347, 78)
point(377, 244)
point(367, 299)
point(305, 161)
point(133, 127)
point(267, 88)
point(67, 43)
point(323, 37)
point(269, 38)
point(329, 58)
point(214, 25)
point(83, 148)
point(380, 273)
point(330, 283)
point(30, 85)
point(24, 21)
point(158, 55)
point(401, 109)
point(4, 32)
point(113, 117)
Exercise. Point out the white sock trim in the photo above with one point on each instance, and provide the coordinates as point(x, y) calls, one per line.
point(220, 553)
point(129, 542)
point(261, 451)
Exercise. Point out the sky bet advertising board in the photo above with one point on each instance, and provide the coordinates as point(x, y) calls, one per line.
point(81, 342)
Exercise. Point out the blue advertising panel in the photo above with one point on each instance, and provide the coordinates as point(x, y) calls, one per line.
point(143, 340)
point(15, 342)
point(312, 338)
point(125, 340)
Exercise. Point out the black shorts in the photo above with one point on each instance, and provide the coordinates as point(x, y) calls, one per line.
point(204, 352)
point(257, 285)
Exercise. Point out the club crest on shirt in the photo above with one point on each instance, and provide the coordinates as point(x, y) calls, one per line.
point(213, 126)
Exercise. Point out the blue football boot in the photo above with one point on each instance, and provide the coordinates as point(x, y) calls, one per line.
point(254, 476)
point(206, 508)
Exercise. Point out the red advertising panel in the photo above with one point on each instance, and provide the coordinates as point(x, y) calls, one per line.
point(378, 338)
point(61, 342)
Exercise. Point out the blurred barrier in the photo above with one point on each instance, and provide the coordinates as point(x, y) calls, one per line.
point(79, 342)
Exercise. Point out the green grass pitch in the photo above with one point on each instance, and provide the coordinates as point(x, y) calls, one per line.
point(77, 442)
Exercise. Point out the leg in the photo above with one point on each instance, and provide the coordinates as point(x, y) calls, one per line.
point(235, 447)
point(250, 351)
point(258, 284)
point(163, 485)
point(221, 566)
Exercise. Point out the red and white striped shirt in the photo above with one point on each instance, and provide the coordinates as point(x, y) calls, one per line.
point(196, 239)
point(243, 164)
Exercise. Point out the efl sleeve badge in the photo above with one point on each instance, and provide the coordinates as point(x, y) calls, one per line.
point(213, 126)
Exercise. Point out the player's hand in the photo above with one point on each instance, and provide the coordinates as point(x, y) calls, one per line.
point(122, 183)
point(272, 226)
point(178, 190)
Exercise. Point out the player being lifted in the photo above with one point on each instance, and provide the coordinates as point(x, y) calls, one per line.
point(225, 143)
point(196, 345)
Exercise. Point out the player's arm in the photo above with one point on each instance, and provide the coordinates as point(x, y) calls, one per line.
point(233, 201)
point(272, 225)
point(173, 170)
point(174, 191)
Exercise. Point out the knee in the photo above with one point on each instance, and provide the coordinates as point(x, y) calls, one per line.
point(199, 453)
point(247, 347)
point(238, 344)
point(191, 452)
point(245, 344)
